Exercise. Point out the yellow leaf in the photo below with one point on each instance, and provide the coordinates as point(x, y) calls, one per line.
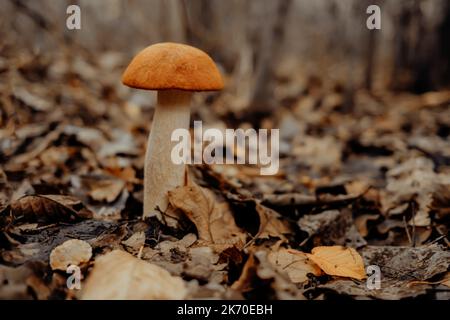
point(339, 261)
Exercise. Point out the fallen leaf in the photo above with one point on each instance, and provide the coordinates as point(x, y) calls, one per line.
point(120, 276)
point(123, 143)
point(98, 187)
point(39, 287)
point(310, 151)
point(408, 263)
point(40, 242)
point(32, 100)
point(446, 280)
point(415, 180)
point(244, 283)
point(258, 270)
point(362, 221)
point(295, 263)
point(332, 227)
point(48, 208)
point(136, 241)
point(214, 221)
point(270, 224)
point(40, 145)
point(339, 261)
point(13, 282)
point(390, 289)
point(71, 252)
point(202, 263)
point(106, 190)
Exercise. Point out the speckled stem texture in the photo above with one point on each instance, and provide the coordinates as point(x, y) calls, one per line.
point(160, 173)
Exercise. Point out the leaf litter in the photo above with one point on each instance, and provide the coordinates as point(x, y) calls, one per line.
point(352, 191)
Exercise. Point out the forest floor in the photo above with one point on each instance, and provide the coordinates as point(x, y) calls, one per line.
point(359, 186)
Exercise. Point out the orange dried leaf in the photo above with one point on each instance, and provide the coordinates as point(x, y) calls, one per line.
point(339, 261)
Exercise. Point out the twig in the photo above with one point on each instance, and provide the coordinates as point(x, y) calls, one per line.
point(407, 230)
point(141, 249)
point(414, 224)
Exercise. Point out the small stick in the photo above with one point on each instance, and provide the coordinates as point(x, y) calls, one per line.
point(407, 230)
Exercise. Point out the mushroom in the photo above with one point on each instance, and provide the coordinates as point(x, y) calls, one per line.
point(175, 71)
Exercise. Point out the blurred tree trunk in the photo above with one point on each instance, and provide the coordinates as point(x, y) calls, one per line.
point(421, 49)
point(444, 47)
point(268, 54)
point(198, 20)
point(370, 56)
point(370, 59)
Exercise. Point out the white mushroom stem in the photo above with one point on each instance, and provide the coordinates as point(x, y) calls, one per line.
point(160, 173)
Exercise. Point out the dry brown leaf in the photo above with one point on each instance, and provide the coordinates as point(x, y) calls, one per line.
point(332, 227)
point(120, 276)
point(48, 208)
point(415, 180)
point(71, 252)
point(39, 147)
point(270, 224)
point(136, 241)
point(244, 283)
point(107, 190)
point(214, 221)
point(14, 282)
point(361, 223)
point(408, 263)
point(102, 187)
point(295, 263)
point(127, 174)
point(339, 261)
point(258, 269)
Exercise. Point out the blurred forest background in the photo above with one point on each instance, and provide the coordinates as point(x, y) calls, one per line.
point(254, 41)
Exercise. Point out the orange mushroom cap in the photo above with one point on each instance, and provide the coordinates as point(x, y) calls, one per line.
point(165, 66)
